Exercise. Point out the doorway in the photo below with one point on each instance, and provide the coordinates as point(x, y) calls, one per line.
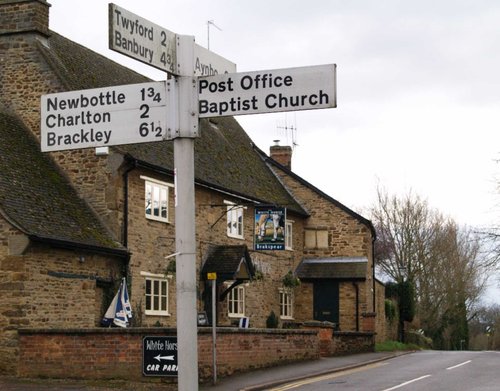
point(326, 301)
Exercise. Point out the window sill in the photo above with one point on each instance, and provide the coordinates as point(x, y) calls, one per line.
point(149, 313)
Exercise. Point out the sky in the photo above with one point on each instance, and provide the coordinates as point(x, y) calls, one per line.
point(418, 88)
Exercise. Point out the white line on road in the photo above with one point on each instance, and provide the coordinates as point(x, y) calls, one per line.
point(328, 376)
point(459, 365)
point(406, 383)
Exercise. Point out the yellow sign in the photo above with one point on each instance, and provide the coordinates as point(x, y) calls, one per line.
point(211, 276)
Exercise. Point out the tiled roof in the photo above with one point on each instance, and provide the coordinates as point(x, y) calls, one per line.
point(334, 268)
point(225, 157)
point(229, 262)
point(38, 200)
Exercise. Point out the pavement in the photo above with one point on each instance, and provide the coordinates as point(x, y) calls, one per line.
point(260, 379)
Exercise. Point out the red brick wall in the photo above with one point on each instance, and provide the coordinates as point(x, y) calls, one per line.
point(116, 353)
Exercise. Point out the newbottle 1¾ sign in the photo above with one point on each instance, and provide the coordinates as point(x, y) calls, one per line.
point(128, 114)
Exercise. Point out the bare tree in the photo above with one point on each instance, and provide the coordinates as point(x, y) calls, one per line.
point(443, 261)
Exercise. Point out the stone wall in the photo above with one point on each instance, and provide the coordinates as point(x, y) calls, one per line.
point(47, 287)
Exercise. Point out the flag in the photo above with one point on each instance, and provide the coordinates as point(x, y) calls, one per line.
point(119, 312)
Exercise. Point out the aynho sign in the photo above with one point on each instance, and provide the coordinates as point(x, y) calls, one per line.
point(269, 91)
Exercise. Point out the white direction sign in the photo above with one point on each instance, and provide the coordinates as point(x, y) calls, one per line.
point(154, 45)
point(269, 91)
point(141, 39)
point(128, 114)
point(208, 63)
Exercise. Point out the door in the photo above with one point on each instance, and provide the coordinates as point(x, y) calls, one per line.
point(326, 301)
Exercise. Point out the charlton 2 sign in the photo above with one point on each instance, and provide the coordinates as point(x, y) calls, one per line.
point(128, 114)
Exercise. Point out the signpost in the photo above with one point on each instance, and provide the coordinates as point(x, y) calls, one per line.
point(268, 91)
point(141, 39)
point(127, 114)
point(151, 44)
point(170, 110)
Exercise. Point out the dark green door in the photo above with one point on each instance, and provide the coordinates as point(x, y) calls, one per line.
point(326, 301)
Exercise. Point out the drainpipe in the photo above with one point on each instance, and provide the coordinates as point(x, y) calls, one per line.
point(373, 274)
point(356, 287)
point(125, 203)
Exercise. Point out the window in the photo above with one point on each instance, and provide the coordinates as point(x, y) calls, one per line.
point(316, 238)
point(156, 296)
point(234, 220)
point(289, 235)
point(236, 301)
point(286, 304)
point(156, 200)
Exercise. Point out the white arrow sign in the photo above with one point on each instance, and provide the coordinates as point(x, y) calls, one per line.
point(127, 114)
point(160, 357)
point(269, 91)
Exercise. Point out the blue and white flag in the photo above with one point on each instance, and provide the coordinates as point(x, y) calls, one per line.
point(119, 312)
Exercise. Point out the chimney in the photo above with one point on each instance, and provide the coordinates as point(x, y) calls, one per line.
point(24, 16)
point(282, 154)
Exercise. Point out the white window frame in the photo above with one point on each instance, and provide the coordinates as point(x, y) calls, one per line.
point(235, 220)
point(162, 193)
point(237, 302)
point(162, 294)
point(289, 235)
point(286, 300)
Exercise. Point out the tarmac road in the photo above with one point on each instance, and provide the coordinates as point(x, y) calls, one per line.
point(250, 381)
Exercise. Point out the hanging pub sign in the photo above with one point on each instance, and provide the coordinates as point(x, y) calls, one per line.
point(269, 228)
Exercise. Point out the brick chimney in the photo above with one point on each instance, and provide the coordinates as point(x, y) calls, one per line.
point(282, 154)
point(24, 16)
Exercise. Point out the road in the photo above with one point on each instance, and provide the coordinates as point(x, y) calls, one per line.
point(427, 370)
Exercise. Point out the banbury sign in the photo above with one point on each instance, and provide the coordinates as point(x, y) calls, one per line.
point(154, 45)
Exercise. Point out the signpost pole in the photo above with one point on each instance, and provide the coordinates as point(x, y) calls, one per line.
point(185, 238)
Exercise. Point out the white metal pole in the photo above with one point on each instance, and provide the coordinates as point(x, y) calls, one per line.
point(187, 330)
point(185, 235)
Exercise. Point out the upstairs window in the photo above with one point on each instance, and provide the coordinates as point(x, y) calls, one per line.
point(156, 200)
point(316, 238)
point(234, 220)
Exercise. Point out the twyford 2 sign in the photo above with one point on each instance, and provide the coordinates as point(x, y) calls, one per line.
point(267, 91)
point(128, 114)
point(151, 44)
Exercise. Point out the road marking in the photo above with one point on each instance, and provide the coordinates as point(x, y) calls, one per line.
point(459, 365)
point(316, 379)
point(406, 383)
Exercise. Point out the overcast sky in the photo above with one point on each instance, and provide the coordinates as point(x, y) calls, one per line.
point(418, 88)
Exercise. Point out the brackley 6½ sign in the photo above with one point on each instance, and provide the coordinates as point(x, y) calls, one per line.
point(127, 114)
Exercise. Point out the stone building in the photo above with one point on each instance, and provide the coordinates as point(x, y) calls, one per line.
point(72, 223)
